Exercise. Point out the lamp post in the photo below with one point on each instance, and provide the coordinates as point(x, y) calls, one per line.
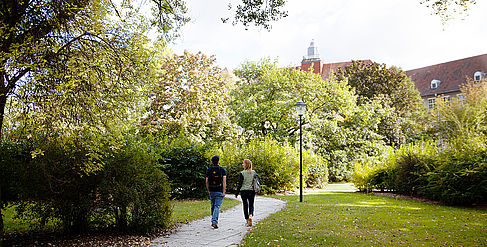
point(300, 110)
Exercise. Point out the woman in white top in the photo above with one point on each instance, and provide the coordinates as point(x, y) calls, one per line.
point(246, 188)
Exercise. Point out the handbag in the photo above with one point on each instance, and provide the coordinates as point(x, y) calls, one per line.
point(256, 183)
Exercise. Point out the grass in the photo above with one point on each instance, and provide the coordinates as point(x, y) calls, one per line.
point(354, 219)
point(340, 186)
point(185, 211)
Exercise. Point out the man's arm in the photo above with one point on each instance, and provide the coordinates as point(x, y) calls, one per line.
point(207, 185)
point(224, 184)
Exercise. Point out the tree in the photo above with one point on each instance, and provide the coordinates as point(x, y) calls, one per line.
point(190, 98)
point(264, 99)
point(335, 127)
point(40, 33)
point(42, 40)
point(258, 12)
point(464, 119)
point(396, 91)
point(80, 78)
point(448, 9)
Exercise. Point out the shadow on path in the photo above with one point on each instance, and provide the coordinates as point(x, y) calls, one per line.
point(231, 225)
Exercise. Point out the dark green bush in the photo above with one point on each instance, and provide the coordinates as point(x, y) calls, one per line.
point(412, 174)
point(13, 157)
point(382, 180)
point(185, 165)
point(68, 182)
point(133, 190)
point(57, 178)
point(460, 178)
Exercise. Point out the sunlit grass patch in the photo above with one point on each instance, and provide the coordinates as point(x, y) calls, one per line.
point(183, 211)
point(354, 219)
point(187, 210)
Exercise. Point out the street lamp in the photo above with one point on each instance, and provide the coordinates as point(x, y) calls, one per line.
point(300, 110)
point(240, 130)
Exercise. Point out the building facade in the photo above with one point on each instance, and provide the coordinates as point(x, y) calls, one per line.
point(312, 62)
point(443, 81)
point(436, 82)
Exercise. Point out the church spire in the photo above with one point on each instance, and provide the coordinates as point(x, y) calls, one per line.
point(313, 54)
point(313, 51)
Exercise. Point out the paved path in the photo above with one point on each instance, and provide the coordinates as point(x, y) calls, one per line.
point(231, 225)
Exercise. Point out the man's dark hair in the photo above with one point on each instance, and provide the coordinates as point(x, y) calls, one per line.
point(215, 159)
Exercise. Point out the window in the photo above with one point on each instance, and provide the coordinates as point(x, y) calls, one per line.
point(446, 100)
point(431, 104)
point(435, 84)
point(477, 76)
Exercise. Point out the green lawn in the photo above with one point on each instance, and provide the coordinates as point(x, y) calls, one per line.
point(186, 211)
point(183, 212)
point(355, 219)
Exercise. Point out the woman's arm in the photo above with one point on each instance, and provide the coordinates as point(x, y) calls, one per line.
point(240, 181)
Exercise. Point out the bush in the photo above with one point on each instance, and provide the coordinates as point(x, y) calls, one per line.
point(185, 165)
point(277, 164)
point(414, 163)
point(13, 157)
point(461, 176)
point(67, 183)
point(376, 172)
point(133, 190)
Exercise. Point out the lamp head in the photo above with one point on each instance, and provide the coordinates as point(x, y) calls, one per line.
point(300, 108)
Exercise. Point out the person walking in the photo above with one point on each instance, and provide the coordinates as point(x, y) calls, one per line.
point(216, 183)
point(248, 185)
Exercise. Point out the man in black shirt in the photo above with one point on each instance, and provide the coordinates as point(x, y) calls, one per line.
point(216, 183)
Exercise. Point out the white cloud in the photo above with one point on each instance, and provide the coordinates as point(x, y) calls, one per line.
point(395, 32)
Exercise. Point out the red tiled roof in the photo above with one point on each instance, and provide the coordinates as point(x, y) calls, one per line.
point(327, 68)
point(316, 66)
point(330, 67)
point(451, 74)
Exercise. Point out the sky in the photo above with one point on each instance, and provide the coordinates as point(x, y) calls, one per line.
point(400, 33)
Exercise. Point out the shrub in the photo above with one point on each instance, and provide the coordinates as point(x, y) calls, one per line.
point(414, 164)
point(377, 172)
point(134, 191)
point(185, 165)
point(277, 164)
point(62, 182)
point(461, 175)
point(404, 170)
point(54, 178)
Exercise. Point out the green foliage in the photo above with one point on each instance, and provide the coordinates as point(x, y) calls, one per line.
point(466, 118)
point(455, 175)
point(413, 171)
point(449, 9)
point(58, 180)
point(264, 101)
point(396, 90)
point(191, 98)
point(277, 164)
point(461, 175)
point(133, 189)
point(375, 172)
point(261, 13)
point(356, 219)
point(58, 184)
point(185, 164)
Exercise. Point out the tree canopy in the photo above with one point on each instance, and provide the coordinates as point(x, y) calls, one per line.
point(190, 97)
point(395, 89)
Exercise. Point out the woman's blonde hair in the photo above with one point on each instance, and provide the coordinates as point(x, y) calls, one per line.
point(247, 165)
